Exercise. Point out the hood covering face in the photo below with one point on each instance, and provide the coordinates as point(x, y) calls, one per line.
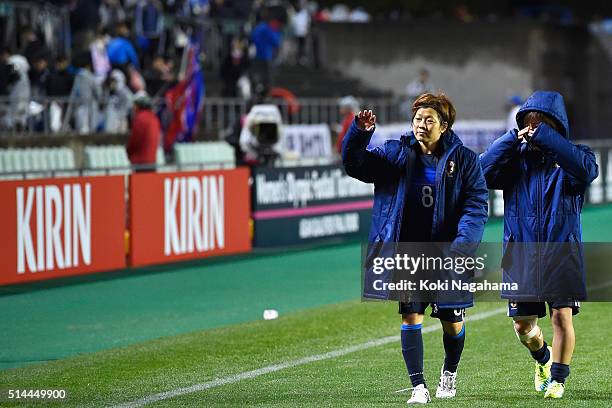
point(548, 102)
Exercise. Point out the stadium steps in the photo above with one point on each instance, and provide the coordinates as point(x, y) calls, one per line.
point(307, 82)
point(39, 162)
point(100, 158)
point(204, 155)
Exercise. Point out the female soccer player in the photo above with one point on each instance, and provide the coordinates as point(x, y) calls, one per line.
point(428, 188)
point(544, 177)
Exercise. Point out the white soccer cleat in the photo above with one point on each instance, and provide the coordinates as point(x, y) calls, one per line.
point(447, 387)
point(420, 395)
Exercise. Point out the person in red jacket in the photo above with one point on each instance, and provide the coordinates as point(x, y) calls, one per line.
point(348, 109)
point(145, 135)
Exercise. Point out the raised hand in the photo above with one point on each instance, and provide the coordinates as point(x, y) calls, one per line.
point(527, 132)
point(523, 132)
point(366, 120)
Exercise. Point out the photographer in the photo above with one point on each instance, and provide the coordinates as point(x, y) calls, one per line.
point(260, 138)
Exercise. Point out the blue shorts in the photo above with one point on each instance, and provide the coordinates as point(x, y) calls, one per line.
point(447, 315)
point(516, 309)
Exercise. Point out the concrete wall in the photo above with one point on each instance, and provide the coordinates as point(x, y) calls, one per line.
point(478, 65)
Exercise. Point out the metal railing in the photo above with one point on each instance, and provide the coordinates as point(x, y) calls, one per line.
point(222, 113)
point(53, 115)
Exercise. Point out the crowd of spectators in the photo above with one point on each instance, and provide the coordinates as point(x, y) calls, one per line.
point(121, 48)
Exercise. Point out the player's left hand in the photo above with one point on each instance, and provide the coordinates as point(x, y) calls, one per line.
point(521, 134)
point(531, 131)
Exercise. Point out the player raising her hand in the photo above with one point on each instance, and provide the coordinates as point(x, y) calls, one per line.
point(428, 188)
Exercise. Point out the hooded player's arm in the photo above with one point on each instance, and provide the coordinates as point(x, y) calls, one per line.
point(475, 209)
point(359, 162)
point(497, 162)
point(577, 160)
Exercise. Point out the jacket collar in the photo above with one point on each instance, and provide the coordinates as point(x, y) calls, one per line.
point(448, 139)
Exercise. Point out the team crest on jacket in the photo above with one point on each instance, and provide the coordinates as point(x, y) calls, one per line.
point(450, 168)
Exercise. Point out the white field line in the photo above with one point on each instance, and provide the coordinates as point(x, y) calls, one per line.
point(288, 364)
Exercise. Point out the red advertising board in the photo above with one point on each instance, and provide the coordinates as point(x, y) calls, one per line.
point(61, 227)
point(187, 215)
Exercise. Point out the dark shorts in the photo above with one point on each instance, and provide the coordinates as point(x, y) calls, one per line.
point(447, 315)
point(516, 309)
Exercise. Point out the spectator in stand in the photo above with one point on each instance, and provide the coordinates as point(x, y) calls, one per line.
point(85, 96)
point(266, 37)
point(159, 76)
point(234, 66)
point(339, 13)
point(414, 89)
point(59, 85)
point(121, 51)
point(111, 14)
point(118, 103)
point(148, 26)
point(194, 8)
point(301, 29)
point(39, 75)
point(349, 106)
point(61, 78)
point(420, 85)
point(99, 55)
point(19, 93)
point(84, 18)
point(33, 47)
point(145, 135)
point(359, 15)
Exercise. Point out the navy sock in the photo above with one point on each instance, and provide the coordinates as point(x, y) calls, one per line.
point(412, 350)
point(453, 346)
point(559, 372)
point(542, 355)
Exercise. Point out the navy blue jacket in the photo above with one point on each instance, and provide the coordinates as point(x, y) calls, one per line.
point(544, 182)
point(460, 208)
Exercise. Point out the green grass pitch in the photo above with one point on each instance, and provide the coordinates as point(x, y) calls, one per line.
point(113, 341)
point(495, 370)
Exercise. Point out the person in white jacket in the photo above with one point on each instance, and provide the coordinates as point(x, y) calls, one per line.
point(119, 103)
point(19, 93)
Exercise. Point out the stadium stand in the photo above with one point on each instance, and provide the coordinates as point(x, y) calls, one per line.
point(111, 157)
point(38, 162)
point(204, 155)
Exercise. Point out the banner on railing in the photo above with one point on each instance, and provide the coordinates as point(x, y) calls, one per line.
point(296, 205)
point(61, 227)
point(307, 141)
point(187, 215)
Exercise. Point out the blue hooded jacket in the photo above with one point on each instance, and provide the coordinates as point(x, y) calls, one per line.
point(266, 41)
point(460, 206)
point(544, 182)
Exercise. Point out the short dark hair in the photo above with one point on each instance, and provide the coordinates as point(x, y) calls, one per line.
point(536, 116)
point(440, 103)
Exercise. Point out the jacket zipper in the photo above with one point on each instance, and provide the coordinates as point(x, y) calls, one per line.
point(539, 234)
point(439, 175)
point(409, 171)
